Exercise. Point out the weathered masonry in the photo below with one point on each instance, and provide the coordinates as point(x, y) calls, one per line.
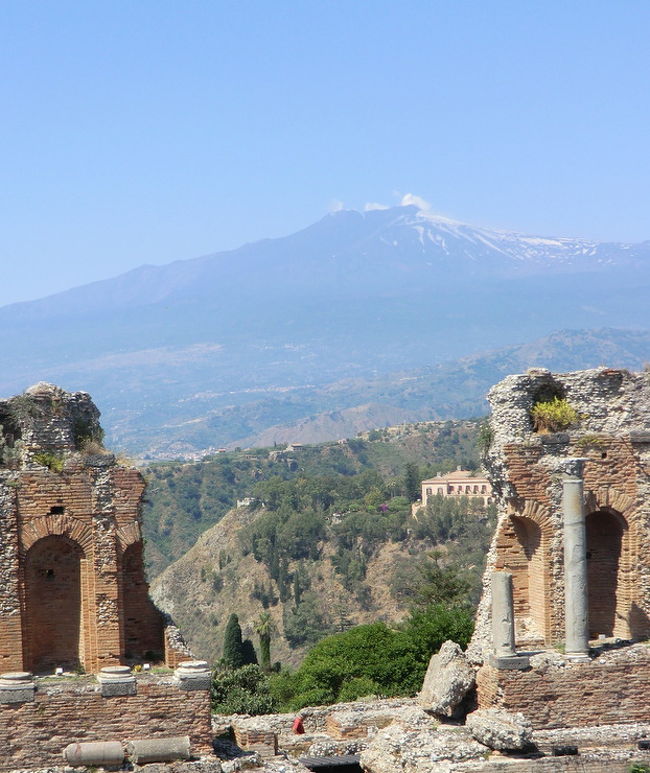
point(72, 587)
point(572, 539)
point(529, 471)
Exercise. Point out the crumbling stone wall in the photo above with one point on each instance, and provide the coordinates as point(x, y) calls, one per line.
point(526, 469)
point(72, 586)
point(33, 734)
point(609, 690)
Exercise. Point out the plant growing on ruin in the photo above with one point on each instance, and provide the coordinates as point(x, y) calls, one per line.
point(47, 459)
point(553, 415)
point(88, 436)
point(590, 441)
point(485, 437)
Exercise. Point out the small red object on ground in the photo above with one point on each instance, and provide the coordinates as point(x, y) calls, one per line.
point(297, 726)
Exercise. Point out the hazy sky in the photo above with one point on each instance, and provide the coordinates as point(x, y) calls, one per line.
point(143, 132)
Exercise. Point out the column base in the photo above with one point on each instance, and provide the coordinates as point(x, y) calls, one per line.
point(509, 662)
point(577, 657)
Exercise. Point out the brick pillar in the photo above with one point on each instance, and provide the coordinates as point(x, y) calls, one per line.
point(11, 624)
point(107, 596)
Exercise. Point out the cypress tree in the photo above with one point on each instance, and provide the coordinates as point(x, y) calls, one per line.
point(233, 647)
point(412, 482)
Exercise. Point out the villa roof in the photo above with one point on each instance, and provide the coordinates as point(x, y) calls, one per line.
point(456, 475)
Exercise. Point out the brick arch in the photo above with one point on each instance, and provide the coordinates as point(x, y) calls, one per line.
point(128, 535)
point(610, 497)
point(56, 525)
point(523, 548)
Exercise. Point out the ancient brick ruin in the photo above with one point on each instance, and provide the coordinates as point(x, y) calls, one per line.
point(72, 588)
point(573, 531)
point(74, 598)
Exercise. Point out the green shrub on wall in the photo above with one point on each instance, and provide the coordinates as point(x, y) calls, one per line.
point(553, 415)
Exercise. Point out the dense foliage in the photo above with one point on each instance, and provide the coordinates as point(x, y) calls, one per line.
point(183, 499)
point(357, 515)
point(372, 659)
point(243, 690)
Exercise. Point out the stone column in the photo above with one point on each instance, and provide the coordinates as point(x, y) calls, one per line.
point(575, 566)
point(503, 624)
point(503, 619)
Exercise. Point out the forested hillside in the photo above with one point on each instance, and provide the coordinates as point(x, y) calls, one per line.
point(327, 541)
point(185, 499)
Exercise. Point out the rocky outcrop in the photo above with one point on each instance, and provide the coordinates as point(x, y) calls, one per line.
point(448, 681)
point(500, 730)
point(399, 750)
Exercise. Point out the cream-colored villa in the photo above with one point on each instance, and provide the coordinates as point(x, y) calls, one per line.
point(460, 483)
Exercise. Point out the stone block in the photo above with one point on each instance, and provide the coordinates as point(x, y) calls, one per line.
point(448, 680)
point(512, 662)
point(113, 689)
point(17, 687)
point(500, 730)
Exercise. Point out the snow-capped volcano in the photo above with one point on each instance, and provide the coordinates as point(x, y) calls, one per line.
point(451, 244)
point(354, 294)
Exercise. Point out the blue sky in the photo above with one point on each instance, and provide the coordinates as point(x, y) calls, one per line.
point(144, 132)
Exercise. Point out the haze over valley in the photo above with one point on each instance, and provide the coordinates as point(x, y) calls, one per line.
point(359, 320)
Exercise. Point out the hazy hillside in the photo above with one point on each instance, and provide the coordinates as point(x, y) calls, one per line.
point(345, 407)
point(215, 350)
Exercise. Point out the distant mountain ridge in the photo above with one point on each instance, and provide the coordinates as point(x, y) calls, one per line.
point(257, 334)
point(394, 240)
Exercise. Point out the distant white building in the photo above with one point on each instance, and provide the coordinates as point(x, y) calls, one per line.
point(460, 483)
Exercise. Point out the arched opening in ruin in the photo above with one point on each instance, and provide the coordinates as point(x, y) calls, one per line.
point(607, 568)
point(522, 549)
point(52, 583)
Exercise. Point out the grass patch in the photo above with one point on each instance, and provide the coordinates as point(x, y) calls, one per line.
point(47, 459)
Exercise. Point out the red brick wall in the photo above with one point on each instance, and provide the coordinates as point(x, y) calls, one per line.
point(143, 624)
point(34, 734)
point(578, 695)
point(616, 529)
point(92, 607)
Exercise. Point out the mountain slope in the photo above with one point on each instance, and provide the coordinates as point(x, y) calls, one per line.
point(356, 295)
point(345, 407)
point(326, 541)
point(184, 500)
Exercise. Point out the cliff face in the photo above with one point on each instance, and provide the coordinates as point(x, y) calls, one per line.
point(214, 579)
